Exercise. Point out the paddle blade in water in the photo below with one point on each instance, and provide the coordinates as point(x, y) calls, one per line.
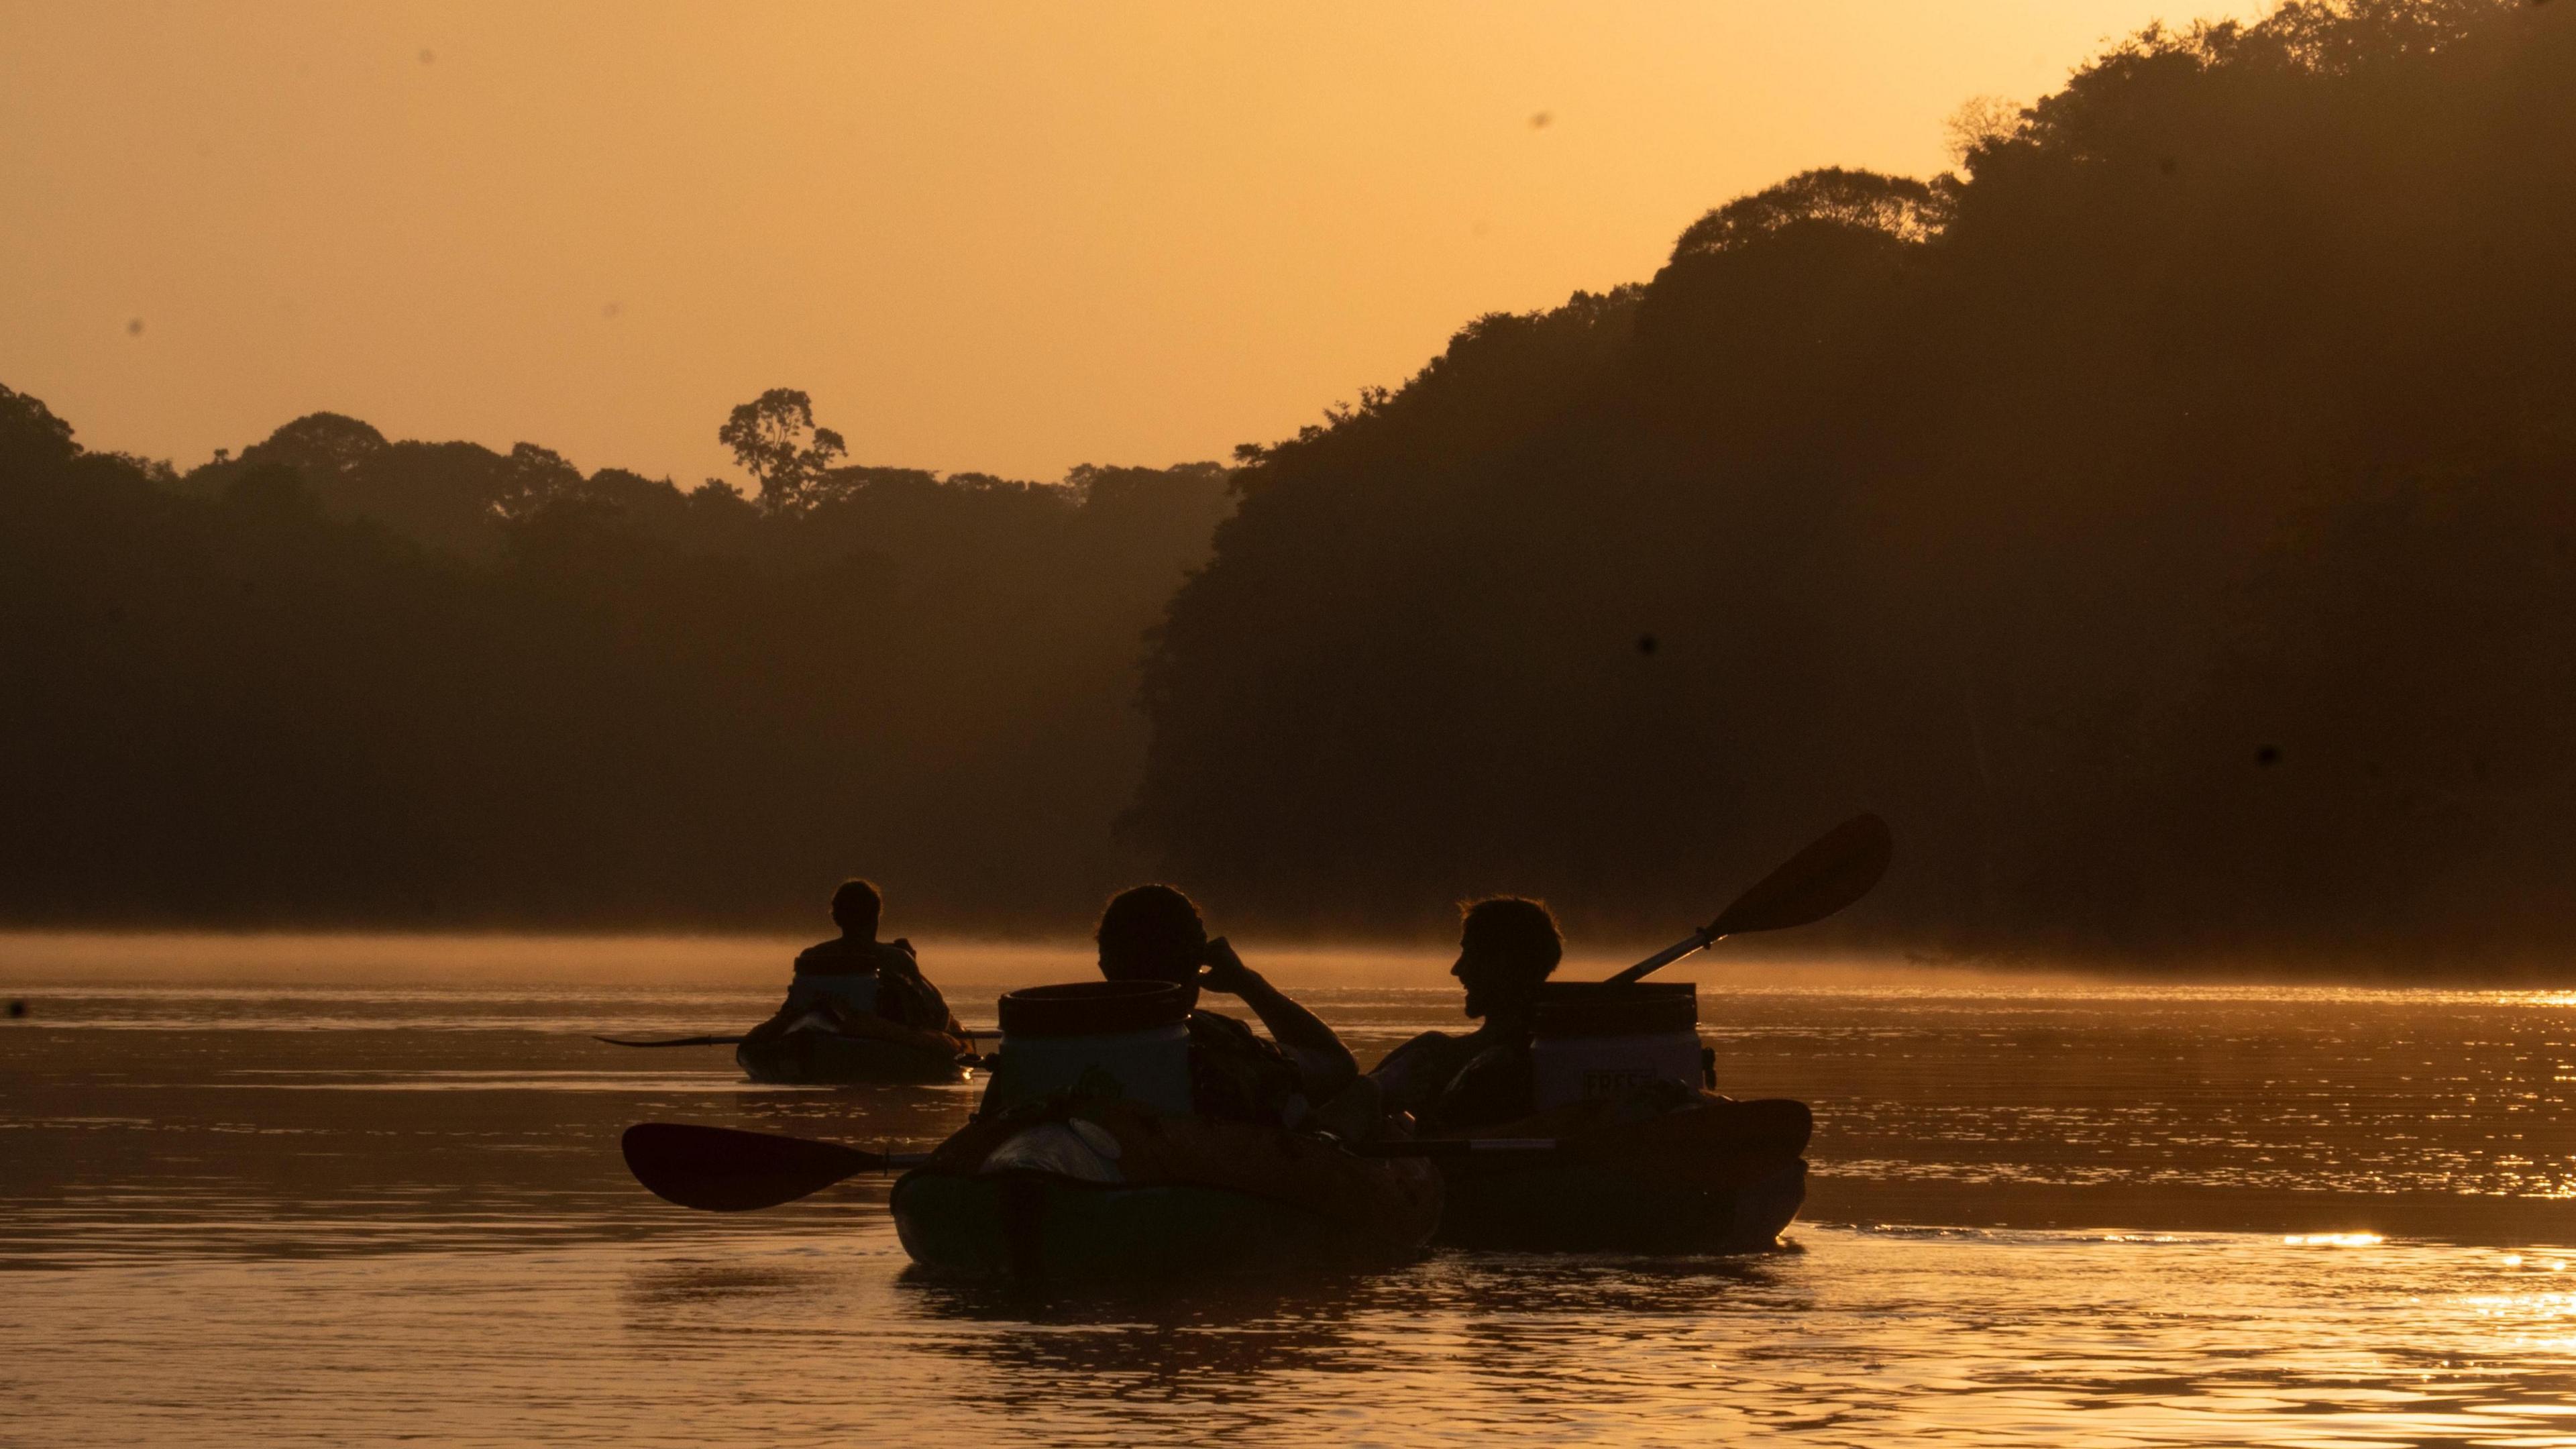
point(1837, 870)
point(719, 1169)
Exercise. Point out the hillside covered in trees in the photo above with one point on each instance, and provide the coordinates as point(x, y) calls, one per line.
point(341, 679)
point(2166, 523)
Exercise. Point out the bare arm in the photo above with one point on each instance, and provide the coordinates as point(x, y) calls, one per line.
point(1323, 1063)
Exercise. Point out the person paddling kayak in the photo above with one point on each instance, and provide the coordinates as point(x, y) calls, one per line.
point(1154, 933)
point(1507, 945)
point(855, 974)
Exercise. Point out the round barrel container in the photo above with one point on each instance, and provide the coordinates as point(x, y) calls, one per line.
point(1128, 1038)
point(1608, 1038)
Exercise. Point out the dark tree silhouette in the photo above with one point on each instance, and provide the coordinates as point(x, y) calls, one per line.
point(2210, 412)
point(775, 440)
point(2169, 524)
point(342, 678)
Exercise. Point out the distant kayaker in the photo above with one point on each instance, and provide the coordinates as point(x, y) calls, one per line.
point(1507, 945)
point(1154, 933)
point(855, 974)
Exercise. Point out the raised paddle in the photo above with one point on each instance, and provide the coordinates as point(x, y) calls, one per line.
point(727, 1170)
point(1838, 869)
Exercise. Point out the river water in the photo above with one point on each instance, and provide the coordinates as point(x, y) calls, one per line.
point(324, 1200)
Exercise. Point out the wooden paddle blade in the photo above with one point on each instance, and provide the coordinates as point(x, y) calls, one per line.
point(722, 1170)
point(1837, 870)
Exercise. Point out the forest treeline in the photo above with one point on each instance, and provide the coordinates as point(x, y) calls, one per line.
point(2164, 520)
point(342, 679)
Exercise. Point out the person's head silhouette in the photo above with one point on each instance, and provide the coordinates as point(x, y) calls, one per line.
point(1507, 945)
point(856, 907)
point(1152, 933)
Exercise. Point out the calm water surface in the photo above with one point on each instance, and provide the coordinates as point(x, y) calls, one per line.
point(328, 1212)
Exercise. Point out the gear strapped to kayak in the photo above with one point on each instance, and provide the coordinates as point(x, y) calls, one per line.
point(1096, 1153)
point(1083, 1186)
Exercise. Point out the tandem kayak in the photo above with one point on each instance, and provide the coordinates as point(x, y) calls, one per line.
point(1104, 1187)
point(814, 1050)
point(1666, 1170)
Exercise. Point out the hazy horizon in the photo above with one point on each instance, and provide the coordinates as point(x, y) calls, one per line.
point(35, 959)
point(465, 957)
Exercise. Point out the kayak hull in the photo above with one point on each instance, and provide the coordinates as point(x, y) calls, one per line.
point(1109, 1190)
point(820, 1058)
point(1705, 1176)
point(1037, 1227)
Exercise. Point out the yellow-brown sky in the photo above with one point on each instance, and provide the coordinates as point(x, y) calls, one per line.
point(1006, 237)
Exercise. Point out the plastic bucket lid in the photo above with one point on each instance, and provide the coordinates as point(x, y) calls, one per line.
point(1093, 1008)
point(1616, 1008)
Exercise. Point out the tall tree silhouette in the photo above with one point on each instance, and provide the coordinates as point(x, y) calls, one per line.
point(775, 440)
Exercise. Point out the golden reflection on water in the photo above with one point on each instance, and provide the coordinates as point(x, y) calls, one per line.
point(348, 1211)
point(1864, 1336)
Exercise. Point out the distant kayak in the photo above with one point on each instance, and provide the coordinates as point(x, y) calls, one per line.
point(1670, 1170)
point(1109, 1188)
point(814, 1050)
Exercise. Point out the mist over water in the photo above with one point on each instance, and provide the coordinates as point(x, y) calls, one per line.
point(979, 968)
point(327, 1197)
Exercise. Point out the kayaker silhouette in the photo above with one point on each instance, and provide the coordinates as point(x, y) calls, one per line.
point(1507, 946)
point(1154, 933)
point(855, 974)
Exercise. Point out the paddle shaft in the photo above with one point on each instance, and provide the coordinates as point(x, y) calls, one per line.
point(725, 1169)
point(628, 1041)
point(1836, 869)
point(1699, 940)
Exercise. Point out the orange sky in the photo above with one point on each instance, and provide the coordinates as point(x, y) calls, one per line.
point(1002, 237)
